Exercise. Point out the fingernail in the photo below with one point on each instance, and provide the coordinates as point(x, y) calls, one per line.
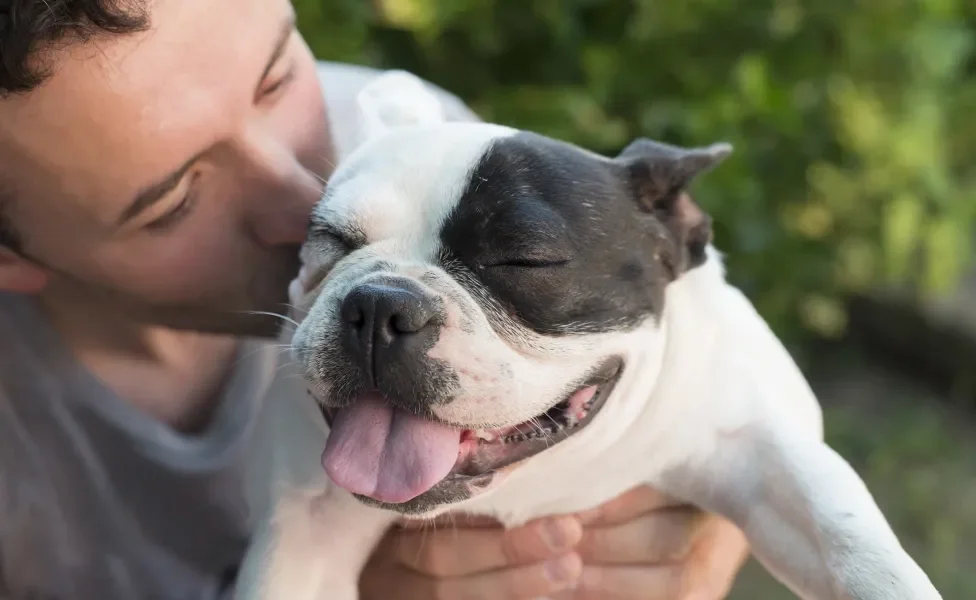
point(557, 534)
point(563, 570)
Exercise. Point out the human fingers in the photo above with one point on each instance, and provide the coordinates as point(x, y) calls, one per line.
point(626, 583)
point(719, 554)
point(706, 572)
point(662, 536)
point(517, 583)
point(626, 507)
point(453, 552)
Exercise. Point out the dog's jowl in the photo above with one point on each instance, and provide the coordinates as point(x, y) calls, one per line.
point(504, 324)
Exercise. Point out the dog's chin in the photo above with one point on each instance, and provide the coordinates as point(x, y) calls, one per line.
point(485, 453)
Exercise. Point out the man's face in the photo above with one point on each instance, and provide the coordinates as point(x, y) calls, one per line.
point(168, 175)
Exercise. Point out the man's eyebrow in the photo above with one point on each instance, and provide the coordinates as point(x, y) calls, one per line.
point(155, 192)
point(279, 48)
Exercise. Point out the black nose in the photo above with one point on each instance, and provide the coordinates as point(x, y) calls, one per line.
point(388, 326)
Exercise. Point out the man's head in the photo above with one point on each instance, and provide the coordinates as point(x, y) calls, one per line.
point(158, 158)
point(478, 293)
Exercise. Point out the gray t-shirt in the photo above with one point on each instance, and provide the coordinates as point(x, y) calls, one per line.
point(99, 501)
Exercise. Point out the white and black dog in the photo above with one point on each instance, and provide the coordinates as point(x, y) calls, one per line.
point(503, 324)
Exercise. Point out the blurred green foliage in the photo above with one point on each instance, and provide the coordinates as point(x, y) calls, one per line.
point(852, 119)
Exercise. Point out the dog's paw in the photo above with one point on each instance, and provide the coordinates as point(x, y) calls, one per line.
point(398, 99)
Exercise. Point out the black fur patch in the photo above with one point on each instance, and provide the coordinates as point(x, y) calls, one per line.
point(559, 239)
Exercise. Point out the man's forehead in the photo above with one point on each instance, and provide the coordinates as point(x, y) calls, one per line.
point(119, 109)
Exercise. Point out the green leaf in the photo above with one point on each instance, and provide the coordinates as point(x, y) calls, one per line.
point(902, 228)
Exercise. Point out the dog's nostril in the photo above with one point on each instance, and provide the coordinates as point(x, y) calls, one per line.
point(352, 314)
point(400, 324)
point(380, 312)
point(410, 319)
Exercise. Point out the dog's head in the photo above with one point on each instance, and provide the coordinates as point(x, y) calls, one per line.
point(473, 292)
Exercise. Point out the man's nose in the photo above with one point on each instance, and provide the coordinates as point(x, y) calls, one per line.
point(285, 194)
point(389, 325)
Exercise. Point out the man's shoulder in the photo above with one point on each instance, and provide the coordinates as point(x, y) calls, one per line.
point(341, 83)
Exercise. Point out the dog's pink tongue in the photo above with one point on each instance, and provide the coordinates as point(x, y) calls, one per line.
point(388, 454)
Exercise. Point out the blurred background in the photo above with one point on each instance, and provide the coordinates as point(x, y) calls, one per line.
point(847, 211)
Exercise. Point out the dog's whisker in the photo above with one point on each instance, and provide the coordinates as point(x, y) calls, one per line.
point(544, 432)
point(296, 308)
point(316, 188)
point(423, 541)
point(278, 348)
point(454, 525)
point(318, 177)
point(265, 313)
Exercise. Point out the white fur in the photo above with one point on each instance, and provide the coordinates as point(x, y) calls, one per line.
point(710, 409)
point(397, 99)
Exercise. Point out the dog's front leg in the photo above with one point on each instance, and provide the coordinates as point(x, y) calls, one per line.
point(314, 548)
point(809, 517)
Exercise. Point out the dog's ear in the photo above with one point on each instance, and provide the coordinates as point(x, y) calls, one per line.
point(397, 99)
point(658, 175)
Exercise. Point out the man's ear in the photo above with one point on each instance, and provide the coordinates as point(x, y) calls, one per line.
point(658, 175)
point(397, 99)
point(19, 274)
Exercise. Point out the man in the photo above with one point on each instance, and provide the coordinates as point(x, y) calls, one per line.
point(158, 161)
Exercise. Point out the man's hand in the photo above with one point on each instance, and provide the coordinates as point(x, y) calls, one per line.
point(643, 545)
point(474, 560)
point(639, 546)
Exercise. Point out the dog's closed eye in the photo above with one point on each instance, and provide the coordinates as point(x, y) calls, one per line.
point(345, 238)
point(327, 245)
point(529, 262)
point(533, 249)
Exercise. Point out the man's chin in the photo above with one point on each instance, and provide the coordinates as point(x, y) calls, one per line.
point(256, 326)
point(257, 309)
point(249, 318)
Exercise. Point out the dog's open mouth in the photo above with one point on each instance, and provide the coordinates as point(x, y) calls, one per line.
point(482, 451)
point(392, 457)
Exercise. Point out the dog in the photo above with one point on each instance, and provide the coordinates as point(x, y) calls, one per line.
point(500, 323)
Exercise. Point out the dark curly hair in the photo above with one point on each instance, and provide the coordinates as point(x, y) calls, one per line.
point(28, 27)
